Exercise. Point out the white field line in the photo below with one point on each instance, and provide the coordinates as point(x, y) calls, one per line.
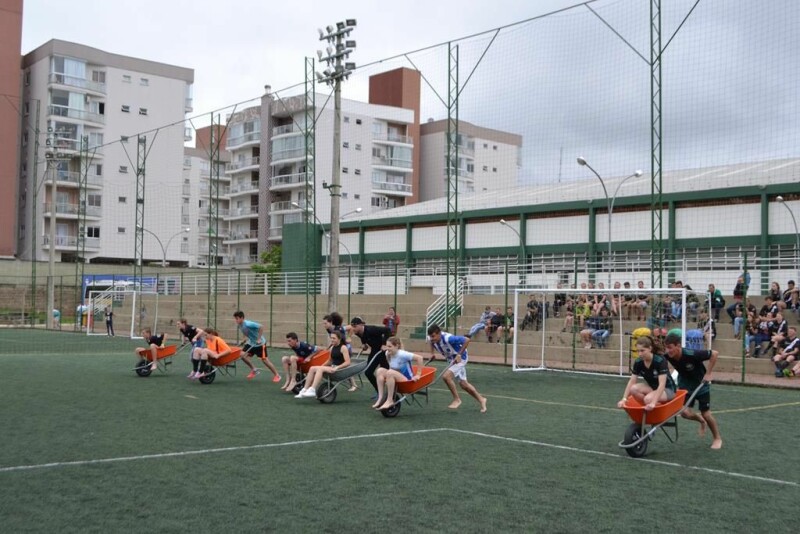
point(621, 457)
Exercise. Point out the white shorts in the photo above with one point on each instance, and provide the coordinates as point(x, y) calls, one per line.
point(459, 370)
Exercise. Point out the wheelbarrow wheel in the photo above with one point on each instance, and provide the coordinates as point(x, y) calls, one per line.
point(393, 410)
point(210, 374)
point(326, 394)
point(633, 433)
point(299, 379)
point(143, 368)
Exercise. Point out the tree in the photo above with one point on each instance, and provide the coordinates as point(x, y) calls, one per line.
point(270, 264)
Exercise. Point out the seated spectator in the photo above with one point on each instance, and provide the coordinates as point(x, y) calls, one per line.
point(708, 326)
point(787, 354)
point(790, 296)
point(780, 332)
point(738, 322)
point(559, 299)
point(750, 332)
point(641, 302)
point(692, 302)
point(483, 323)
point(506, 329)
point(739, 291)
point(495, 322)
point(717, 302)
point(582, 311)
point(532, 314)
point(775, 293)
point(616, 300)
point(769, 307)
point(591, 326)
point(605, 326)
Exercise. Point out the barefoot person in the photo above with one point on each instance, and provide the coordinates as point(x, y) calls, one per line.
point(692, 373)
point(399, 370)
point(153, 343)
point(454, 349)
point(302, 350)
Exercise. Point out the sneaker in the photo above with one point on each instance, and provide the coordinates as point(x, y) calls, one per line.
point(300, 394)
point(253, 374)
point(787, 373)
point(778, 374)
point(309, 393)
point(153, 366)
point(276, 378)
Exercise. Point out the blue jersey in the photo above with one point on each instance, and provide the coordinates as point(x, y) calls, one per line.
point(250, 330)
point(402, 362)
point(449, 346)
point(304, 350)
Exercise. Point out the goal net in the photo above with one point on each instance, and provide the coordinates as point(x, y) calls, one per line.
point(595, 330)
point(132, 312)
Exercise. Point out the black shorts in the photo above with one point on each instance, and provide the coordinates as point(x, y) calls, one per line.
point(259, 351)
point(703, 401)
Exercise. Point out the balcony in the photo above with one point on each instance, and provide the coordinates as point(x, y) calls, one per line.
point(70, 178)
point(247, 211)
point(392, 163)
point(242, 165)
point(385, 137)
point(243, 188)
point(284, 205)
point(392, 188)
point(287, 156)
point(275, 234)
point(70, 211)
point(80, 83)
point(187, 134)
point(186, 190)
point(286, 129)
point(238, 236)
point(220, 212)
point(239, 260)
point(289, 181)
point(78, 114)
point(222, 190)
point(248, 138)
point(71, 242)
point(462, 173)
point(187, 105)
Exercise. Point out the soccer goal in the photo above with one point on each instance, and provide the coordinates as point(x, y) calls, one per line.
point(594, 330)
point(132, 312)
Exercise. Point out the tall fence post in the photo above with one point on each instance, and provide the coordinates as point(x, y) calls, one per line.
point(505, 293)
point(743, 330)
point(180, 298)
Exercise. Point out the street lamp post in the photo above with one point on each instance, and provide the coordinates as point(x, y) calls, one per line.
point(521, 250)
point(165, 248)
point(610, 203)
point(339, 48)
point(796, 236)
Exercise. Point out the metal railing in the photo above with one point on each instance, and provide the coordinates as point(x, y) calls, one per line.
point(298, 178)
point(392, 162)
point(391, 186)
point(242, 163)
point(394, 138)
point(71, 241)
point(242, 139)
point(72, 209)
point(242, 212)
point(72, 113)
point(82, 83)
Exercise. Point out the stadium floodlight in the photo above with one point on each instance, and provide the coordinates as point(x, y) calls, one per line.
point(610, 203)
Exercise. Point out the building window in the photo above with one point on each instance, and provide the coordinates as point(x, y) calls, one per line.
point(345, 170)
point(25, 138)
point(98, 76)
point(357, 197)
point(123, 200)
point(126, 78)
point(485, 167)
point(120, 229)
point(375, 202)
point(27, 77)
point(494, 147)
point(95, 200)
point(346, 144)
point(126, 109)
point(358, 147)
point(346, 119)
point(123, 139)
point(27, 108)
point(123, 169)
point(494, 169)
point(344, 196)
point(142, 111)
point(98, 169)
point(358, 121)
point(93, 231)
point(485, 145)
point(357, 171)
point(144, 81)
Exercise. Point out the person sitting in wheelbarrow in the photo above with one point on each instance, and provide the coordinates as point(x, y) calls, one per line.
point(302, 350)
point(340, 358)
point(399, 370)
point(153, 343)
point(658, 386)
point(215, 348)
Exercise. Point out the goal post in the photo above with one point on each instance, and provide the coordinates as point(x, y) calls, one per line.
point(133, 311)
point(594, 330)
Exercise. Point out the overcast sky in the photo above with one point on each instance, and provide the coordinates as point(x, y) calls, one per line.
point(566, 82)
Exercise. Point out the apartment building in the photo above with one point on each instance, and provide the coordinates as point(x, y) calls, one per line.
point(108, 99)
point(488, 160)
point(206, 209)
point(10, 105)
point(377, 160)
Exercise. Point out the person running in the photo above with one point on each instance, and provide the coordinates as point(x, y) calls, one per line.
point(375, 338)
point(454, 349)
point(215, 348)
point(340, 358)
point(658, 386)
point(255, 345)
point(302, 350)
point(109, 313)
point(692, 373)
point(400, 370)
point(153, 343)
point(193, 335)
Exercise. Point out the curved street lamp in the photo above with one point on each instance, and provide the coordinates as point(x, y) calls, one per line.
point(160, 244)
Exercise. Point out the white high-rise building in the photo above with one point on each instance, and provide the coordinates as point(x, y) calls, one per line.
point(109, 98)
point(197, 176)
point(488, 160)
point(242, 186)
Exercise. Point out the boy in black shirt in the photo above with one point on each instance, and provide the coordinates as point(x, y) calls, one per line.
point(375, 338)
point(153, 343)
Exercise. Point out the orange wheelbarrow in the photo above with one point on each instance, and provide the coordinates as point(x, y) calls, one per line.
point(163, 355)
point(663, 416)
point(318, 358)
point(225, 365)
point(407, 391)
